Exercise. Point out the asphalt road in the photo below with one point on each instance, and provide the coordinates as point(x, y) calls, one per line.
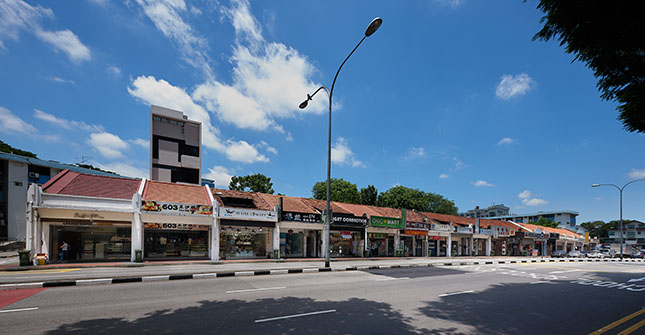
point(531, 298)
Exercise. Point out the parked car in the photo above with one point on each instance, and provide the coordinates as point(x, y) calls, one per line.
point(558, 254)
point(575, 254)
point(608, 253)
point(637, 254)
point(595, 254)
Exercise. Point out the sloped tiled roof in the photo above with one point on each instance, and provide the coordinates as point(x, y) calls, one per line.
point(465, 221)
point(81, 184)
point(258, 201)
point(289, 204)
point(179, 193)
point(359, 210)
point(560, 231)
point(320, 205)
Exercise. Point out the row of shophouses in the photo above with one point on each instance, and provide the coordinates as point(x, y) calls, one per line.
point(113, 218)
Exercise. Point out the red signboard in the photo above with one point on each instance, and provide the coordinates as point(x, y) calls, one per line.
point(415, 232)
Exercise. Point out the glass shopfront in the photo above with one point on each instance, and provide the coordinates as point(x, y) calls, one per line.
point(170, 240)
point(377, 245)
point(244, 242)
point(292, 243)
point(91, 241)
point(345, 243)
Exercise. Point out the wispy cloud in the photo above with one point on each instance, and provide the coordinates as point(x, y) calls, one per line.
point(108, 145)
point(416, 152)
point(67, 124)
point(221, 175)
point(530, 200)
point(10, 123)
point(114, 70)
point(505, 140)
point(67, 42)
point(636, 174)
point(341, 154)
point(481, 183)
point(140, 142)
point(510, 86)
point(62, 81)
point(444, 176)
point(125, 169)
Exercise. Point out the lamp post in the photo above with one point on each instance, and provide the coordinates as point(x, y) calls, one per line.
point(373, 27)
point(620, 192)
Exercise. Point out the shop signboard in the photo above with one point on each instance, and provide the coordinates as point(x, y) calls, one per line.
point(247, 214)
point(465, 230)
point(171, 208)
point(485, 231)
point(378, 236)
point(382, 221)
point(415, 232)
point(499, 231)
point(175, 226)
point(416, 225)
point(554, 236)
point(301, 217)
point(348, 220)
point(442, 227)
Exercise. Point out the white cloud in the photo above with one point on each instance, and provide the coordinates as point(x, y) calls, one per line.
point(167, 17)
point(16, 16)
point(525, 194)
point(67, 124)
point(510, 86)
point(531, 200)
point(220, 175)
point(444, 176)
point(636, 174)
point(505, 140)
point(415, 152)
point(124, 169)
point(62, 81)
point(10, 123)
point(241, 151)
point(481, 183)
point(141, 142)
point(67, 42)
point(108, 145)
point(449, 3)
point(114, 70)
point(269, 148)
point(341, 154)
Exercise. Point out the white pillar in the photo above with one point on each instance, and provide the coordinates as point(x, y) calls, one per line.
point(449, 245)
point(472, 246)
point(365, 243)
point(543, 248)
point(397, 241)
point(137, 235)
point(276, 241)
point(488, 245)
point(38, 236)
point(45, 238)
point(425, 246)
point(215, 231)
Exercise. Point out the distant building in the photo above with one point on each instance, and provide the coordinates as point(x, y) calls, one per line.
point(634, 232)
point(175, 147)
point(16, 173)
point(492, 211)
point(565, 219)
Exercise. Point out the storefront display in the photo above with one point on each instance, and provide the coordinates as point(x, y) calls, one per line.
point(170, 240)
point(244, 242)
point(377, 245)
point(292, 243)
point(91, 241)
point(345, 244)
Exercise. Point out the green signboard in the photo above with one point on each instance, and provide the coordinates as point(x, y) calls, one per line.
point(381, 221)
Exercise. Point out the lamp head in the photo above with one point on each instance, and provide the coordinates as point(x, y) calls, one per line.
point(373, 27)
point(595, 185)
point(304, 104)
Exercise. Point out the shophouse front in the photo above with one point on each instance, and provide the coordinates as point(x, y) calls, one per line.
point(382, 234)
point(347, 235)
point(439, 238)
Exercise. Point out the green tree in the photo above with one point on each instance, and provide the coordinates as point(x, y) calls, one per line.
point(600, 229)
point(340, 189)
point(4, 147)
point(608, 37)
point(369, 195)
point(92, 167)
point(410, 198)
point(546, 223)
point(255, 183)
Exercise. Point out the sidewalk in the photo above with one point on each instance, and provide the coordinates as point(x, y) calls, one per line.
point(70, 274)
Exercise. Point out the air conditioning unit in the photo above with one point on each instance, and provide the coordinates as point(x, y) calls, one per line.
point(34, 175)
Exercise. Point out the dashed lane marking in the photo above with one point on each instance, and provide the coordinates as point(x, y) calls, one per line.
point(18, 310)
point(295, 316)
point(257, 289)
point(455, 293)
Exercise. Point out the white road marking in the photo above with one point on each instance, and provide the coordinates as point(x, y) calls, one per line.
point(563, 271)
point(636, 279)
point(542, 282)
point(391, 278)
point(455, 293)
point(19, 310)
point(295, 316)
point(257, 289)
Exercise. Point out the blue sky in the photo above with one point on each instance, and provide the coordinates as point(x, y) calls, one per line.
point(450, 97)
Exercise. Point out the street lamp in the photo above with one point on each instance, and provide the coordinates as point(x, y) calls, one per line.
point(371, 29)
point(620, 192)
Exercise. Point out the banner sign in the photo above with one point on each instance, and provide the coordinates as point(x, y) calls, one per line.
point(171, 208)
point(301, 217)
point(381, 221)
point(442, 227)
point(499, 231)
point(378, 236)
point(465, 230)
point(175, 226)
point(247, 214)
point(417, 225)
point(415, 232)
point(485, 231)
point(348, 220)
point(554, 236)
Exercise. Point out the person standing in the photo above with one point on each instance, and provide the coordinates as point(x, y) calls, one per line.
point(64, 251)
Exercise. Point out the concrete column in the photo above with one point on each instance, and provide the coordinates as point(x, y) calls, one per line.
point(397, 241)
point(489, 242)
point(425, 246)
point(45, 239)
point(437, 247)
point(38, 236)
point(365, 243)
point(276, 241)
point(543, 247)
point(137, 235)
point(449, 245)
point(564, 246)
point(472, 246)
point(215, 232)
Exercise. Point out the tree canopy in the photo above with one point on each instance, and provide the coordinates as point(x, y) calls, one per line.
point(546, 223)
point(255, 183)
point(608, 37)
point(369, 195)
point(409, 198)
point(600, 229)
point(340, 189)
point(4, 147)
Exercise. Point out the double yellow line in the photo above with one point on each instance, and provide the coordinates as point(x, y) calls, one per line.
point(620, 322)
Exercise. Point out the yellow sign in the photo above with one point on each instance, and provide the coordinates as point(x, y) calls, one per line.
point(587, 237)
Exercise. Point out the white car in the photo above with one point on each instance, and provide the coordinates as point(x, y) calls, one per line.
point(595, 254)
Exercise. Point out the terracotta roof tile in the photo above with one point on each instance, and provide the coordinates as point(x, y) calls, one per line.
point(320, 205)
point(179, 193)
point(258, 201)
point(290, 204)
point(74, 183)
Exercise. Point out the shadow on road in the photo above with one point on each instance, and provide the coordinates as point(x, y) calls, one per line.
point(556, 307)
point(352, 316)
